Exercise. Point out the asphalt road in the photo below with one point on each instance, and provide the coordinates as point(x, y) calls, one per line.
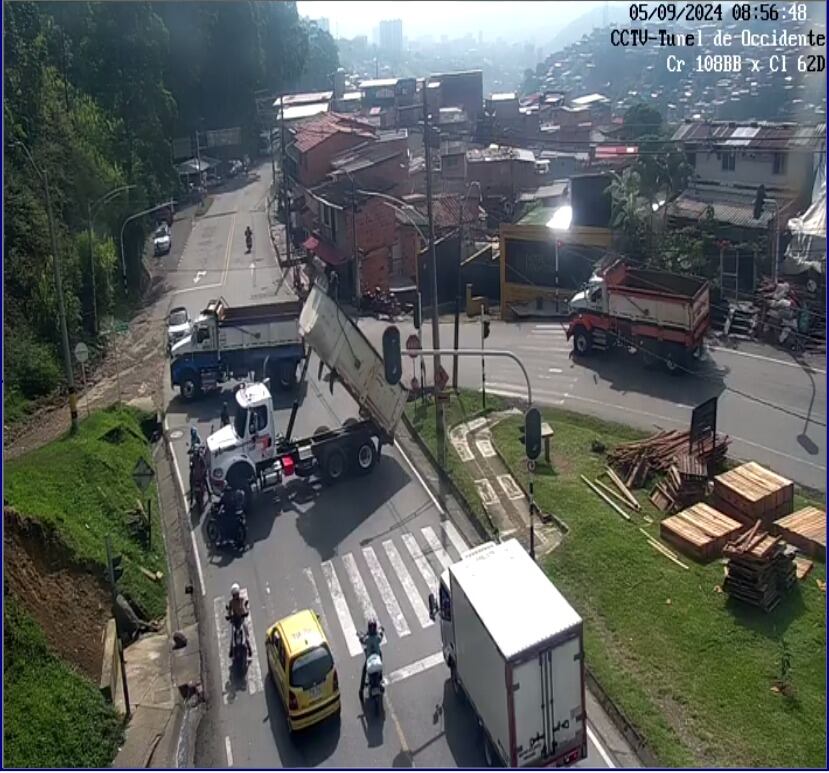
point(772, 406)
point(367, 544)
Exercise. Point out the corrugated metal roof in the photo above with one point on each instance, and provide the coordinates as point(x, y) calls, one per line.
point(755, 135)
point(737, 213)
point(377, 83)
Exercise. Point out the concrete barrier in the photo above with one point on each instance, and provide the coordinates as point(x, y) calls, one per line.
point(111, 684)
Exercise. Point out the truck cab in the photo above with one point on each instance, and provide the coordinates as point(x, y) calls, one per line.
point(591, 298)
point(237, 452)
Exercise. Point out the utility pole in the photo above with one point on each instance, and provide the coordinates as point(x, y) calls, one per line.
point(270, 145)
point(286, 194)
point(439, 418)
point(114, 571)
point(64, 333)
point(357, 288)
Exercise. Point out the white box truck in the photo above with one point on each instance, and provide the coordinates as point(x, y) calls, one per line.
point(515, 649)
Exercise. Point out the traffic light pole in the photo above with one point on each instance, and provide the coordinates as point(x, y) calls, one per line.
point(477, 353)
point(114, 588)
point(483, 365)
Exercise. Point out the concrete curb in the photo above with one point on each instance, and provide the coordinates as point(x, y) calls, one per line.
point(484, 533)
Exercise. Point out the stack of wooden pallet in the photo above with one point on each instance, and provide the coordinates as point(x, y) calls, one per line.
point(657, 453)
point(684, 484)
point(751, 492)
point(805, 529)
point(760, 569)
point(700, 531)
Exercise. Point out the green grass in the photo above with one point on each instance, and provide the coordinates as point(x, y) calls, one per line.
point(458, 409)
point(691, 671)
point(82, 486)
point(54, 717)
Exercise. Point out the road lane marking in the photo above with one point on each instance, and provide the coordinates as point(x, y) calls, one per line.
point(408, 584)
point(316, 591)
point(455, 537)
point(255, 684)
point(548, 327)
point(228, 752)
point(341, 607)
point(419, 477)
point(510, 487)
point(544, 349)
point(228, 248)
point(386, 592)
point(513, 390)
point(420, 561)
point(461, 445)
point(222, 637)
point(363, 599)
point(418, 667)
point(199, 276)
point(555, 370)
point(486, 492)
point(804, 366)
point(595, 740)
point(436, 547)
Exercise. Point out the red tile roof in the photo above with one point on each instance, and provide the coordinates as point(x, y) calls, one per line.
point(312, 133)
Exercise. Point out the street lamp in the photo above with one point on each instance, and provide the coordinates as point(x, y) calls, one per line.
point(91, 210)
point(67, 356)
point(474, 183)
point(560, 221)
point(124, 225)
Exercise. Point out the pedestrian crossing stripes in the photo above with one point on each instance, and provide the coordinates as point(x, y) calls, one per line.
point(254, 672)
point(351, 595)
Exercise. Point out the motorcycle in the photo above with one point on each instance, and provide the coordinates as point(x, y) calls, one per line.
point(239, 659)
point(221, 532)
point(374, 674)
point(380, 304)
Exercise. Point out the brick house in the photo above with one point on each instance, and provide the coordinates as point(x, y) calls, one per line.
point(502, 170)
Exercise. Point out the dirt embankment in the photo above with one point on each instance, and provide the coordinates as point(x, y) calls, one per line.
point(70, 602)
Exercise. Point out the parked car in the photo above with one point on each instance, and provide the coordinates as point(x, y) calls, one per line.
point(302, 668)
point(162, 240)
point(178, 326)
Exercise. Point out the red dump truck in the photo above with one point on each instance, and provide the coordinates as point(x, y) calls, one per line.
point(660, 315)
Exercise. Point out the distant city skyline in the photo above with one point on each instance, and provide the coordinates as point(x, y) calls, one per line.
point(538, 21)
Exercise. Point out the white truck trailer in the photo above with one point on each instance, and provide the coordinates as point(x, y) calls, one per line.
point(252, 453)
point(514, 648)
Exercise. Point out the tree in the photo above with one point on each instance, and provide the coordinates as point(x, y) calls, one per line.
point(640, 120)
point(629, 210)
point(321, 61)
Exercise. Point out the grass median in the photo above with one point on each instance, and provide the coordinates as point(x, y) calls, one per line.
point(81, 485)
point(693, 672)
point(53, 717)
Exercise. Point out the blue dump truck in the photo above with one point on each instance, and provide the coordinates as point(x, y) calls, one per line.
point(237, 342)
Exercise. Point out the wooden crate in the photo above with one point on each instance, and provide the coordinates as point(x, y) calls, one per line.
point(805, 529)
point(700, 531)
point(751, 492)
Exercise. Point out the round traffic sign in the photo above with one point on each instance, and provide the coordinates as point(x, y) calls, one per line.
point(81, 352)
point(413, 343)
point(530, 465)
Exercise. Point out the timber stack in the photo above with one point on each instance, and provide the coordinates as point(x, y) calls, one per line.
point(760, 569)
point(659, 452)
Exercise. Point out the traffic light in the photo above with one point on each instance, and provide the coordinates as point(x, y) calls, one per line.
point(416, 313)
point(391, 354)
point(115, 570)
point(531, 436)
point(486, 328)
point(759, 200)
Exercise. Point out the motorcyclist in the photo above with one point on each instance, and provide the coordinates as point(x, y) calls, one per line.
point(237, 610)
point(371, 641)
point(195, 439)
point(229, 506)
point(198, 474)
point(225, 415)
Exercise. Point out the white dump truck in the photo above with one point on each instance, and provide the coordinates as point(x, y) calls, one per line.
point(251, 453)
point(515, 649)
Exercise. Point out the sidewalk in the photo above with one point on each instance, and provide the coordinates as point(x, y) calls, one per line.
point(164, 684)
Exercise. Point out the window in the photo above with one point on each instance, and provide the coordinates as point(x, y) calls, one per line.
point(445, 606)
point(779, 163)
point(396, 259)
point(311, 668)
point(728, 161)
point(259, 419)
point(328, 218)
point(240, 422)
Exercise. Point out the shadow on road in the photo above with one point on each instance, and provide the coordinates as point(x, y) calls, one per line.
point(308, 748)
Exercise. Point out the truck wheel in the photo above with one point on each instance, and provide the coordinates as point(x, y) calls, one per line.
point(675, 360)
point(582, 343)
point(334, 465)
point(365, 457)
point(191, 386)
point(286, 375)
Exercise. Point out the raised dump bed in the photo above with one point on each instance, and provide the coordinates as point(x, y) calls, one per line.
point(700, 531)
point(750, 493)
point(805, 529)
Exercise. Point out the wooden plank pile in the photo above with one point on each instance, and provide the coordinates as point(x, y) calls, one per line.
point(805, 529)
point(658, 452)
point(751, 492)
point(700, 531)
point(760, 569)
point(685, 483)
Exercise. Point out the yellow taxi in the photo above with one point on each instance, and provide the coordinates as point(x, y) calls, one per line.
point(302, 668)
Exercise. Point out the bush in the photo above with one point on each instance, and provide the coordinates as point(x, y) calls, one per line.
point(31, 366)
